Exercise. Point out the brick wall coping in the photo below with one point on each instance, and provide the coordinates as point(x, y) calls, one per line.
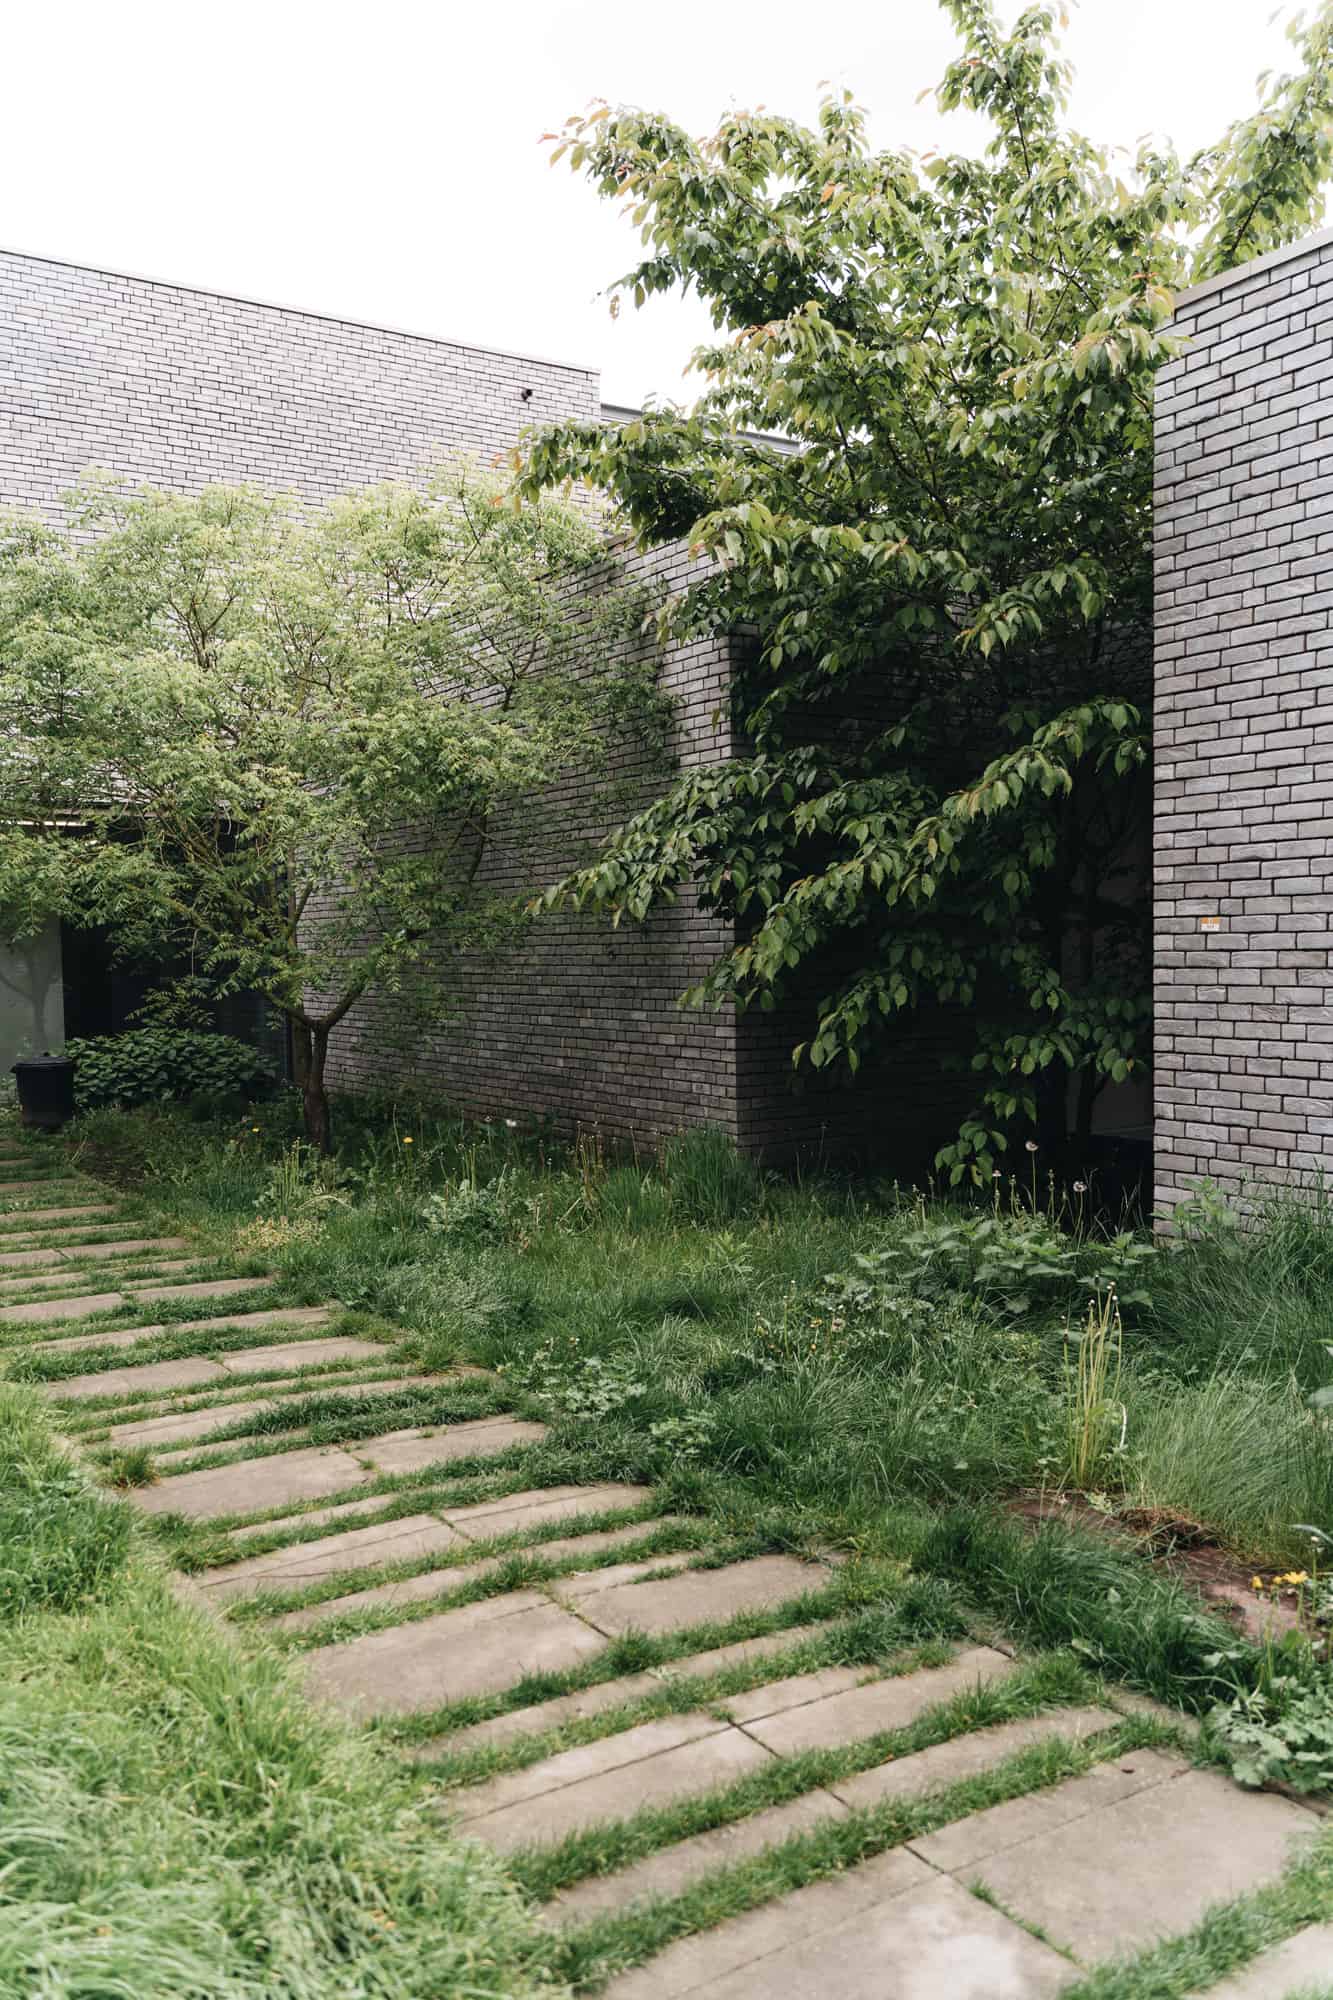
point(1303, 247)
point(303, 312)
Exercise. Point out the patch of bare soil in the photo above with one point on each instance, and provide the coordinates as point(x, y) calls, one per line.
point(1184, 1549)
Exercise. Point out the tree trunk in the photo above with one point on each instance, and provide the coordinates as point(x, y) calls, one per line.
point(310, 1048)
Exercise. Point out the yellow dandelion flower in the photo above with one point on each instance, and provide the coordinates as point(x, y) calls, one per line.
point(407, 1142)
point(1256, 1583)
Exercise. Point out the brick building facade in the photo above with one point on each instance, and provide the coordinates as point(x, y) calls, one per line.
point(1244, 723)
point(176, 387)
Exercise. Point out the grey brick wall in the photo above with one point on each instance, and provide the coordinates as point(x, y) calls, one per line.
point(1244, 721)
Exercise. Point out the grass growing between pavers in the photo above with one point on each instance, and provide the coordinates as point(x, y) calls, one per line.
point(177, 1819)
point(589, 1954)
point(790, 1368)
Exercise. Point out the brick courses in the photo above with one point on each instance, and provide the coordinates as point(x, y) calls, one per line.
point(1244, 729)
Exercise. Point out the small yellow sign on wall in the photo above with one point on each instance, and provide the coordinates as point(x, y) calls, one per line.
point(1210, 923)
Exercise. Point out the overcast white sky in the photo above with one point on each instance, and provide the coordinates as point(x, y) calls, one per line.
point(383, 162)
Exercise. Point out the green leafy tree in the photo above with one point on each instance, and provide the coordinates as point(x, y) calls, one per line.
point(280, 747)
point(944, 556)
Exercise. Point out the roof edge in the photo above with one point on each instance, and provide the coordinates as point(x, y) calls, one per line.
point(305, 312)
point(1303, 247)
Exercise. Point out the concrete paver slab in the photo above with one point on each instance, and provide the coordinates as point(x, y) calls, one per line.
point(22, 1260)
point(182, 1427)
point(1149, 1865)
point(251, 1483)
point(572, 1589)
point(966, 1756)
point(172, 1428)
point(886, 1704)
point(314, 1517)
point(61, 1308)
point(542, 1715)
point(476, 1649)
point(210, 1288)
point(1301, 1964)
point(793, 1692)
point(888, 1930)
point(535, 1508)
point(127, 1336)
point(411, 1451)
point(608, 1694)
point(300, 1353)
point(87, 1274)
point(134, 1246)
point(701, 1595)
point(673, 1758)
point(80, 1212)
point(184, 1374)
point(969, 1842)
point(433, 1583)
point(673, 1869)
point(359, 1548)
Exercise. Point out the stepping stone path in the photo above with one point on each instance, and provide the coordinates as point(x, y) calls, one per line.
point(383, 1559)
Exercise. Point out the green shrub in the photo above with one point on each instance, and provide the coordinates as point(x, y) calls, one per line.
point(153, 1065)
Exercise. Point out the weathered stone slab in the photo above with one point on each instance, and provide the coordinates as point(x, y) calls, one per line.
point(299, 1353)
point(78, 1307)
point(946, 1764)
point(673, 1758)
point(1147, 1866)
point(359, 1548)
point(251, 1483)
point(178, 1427)
point(475, 1649)
point(673, 1869)
point(410, 1451)
point(17, 1260)
point(701, 1595)
point(184, 1374)
point(517, 1512)
point(211, 1288)
point(887, 1930)
point(885, 1704)
point(1301, 1964)
point(433, 1583)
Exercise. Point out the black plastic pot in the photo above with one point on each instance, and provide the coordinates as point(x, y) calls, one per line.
point(46, 1091)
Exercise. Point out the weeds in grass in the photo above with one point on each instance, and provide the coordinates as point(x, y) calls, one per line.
point(1095, 1417)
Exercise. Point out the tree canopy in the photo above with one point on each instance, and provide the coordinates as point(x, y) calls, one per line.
point(278, 745)
point(922, 463)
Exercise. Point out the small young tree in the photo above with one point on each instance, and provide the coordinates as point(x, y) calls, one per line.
point(946, 562)
point(280, 746)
